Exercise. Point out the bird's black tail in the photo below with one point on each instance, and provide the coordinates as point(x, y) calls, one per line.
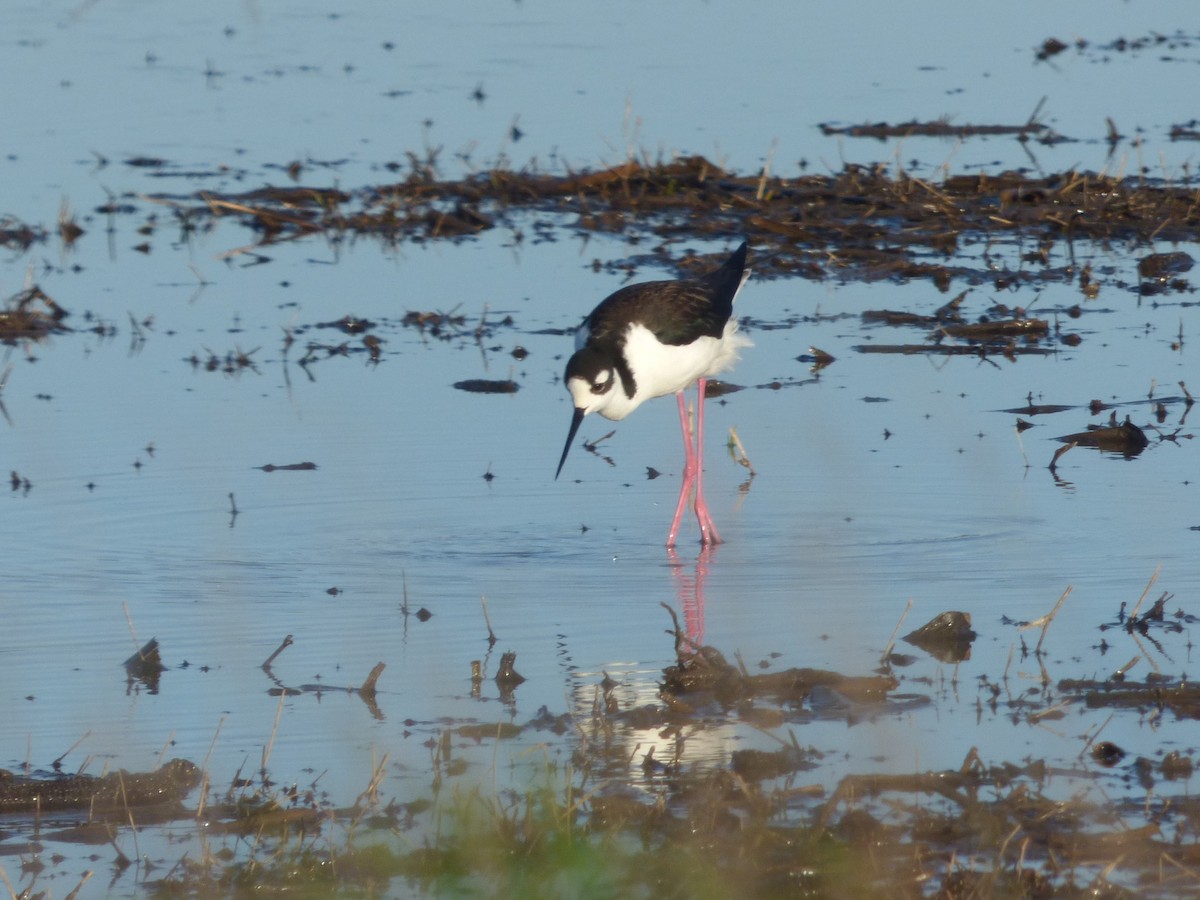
point(727, 280)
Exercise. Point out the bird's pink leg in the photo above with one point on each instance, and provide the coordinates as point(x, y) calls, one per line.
point(693, 472)
point(708, 530)
point(689, 469)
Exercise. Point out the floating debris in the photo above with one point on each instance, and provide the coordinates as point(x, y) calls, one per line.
point(819, 358)
point(1107, 754)
point(1126, 439)
point(145, 666)
point(374, 346)
point(489, 731)
point(233, 363)
point(348, 324)
point(116, 792)
point(1163, 265)
point(488, 386)
point(706, 671)
point(1010, 333)
point(848, 228)
point(30, 316)
point(760, 765)
point(1039, 409)
point(991, 332)
point(507, 677)
point(433, 322)
point(937, 128)
point(946, 637)
point(1051, 46)
point(290, 467)
point(16, 235)
point(1008, 351)
point(1160, 273)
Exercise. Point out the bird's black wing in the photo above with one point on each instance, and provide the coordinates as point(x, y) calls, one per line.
point(675, 312)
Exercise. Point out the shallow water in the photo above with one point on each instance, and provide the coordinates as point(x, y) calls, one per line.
point(884, 479)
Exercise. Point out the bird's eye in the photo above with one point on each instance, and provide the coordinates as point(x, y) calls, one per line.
point(602, 384)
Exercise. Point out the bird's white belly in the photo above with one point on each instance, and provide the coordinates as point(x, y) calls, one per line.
point(660, 369)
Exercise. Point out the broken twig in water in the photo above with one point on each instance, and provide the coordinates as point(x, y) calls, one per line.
point(146, 661)
point(1149, 584)
point(57, 764)
point(287, 642)
point(1058, 453)
point(270, 745)
point(675, 632)
point(368, 687)
point(508, 677)
point(487, 621)
point(738, 452)
point(1044, 621)
point(891, 644)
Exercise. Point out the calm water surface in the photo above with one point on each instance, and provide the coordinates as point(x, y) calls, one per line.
point(888, 479)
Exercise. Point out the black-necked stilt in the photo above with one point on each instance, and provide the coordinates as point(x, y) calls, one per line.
point(649, 340)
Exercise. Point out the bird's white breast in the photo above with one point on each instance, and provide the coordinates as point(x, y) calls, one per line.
point(660, 369)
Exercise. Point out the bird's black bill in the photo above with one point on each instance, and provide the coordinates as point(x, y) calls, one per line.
point(575, 420)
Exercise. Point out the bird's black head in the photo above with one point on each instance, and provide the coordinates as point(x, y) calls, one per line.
point(590, 377)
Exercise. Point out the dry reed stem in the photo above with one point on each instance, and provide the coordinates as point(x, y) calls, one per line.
point(891, 644)
point(162, 753)
point(8, 884)
point(1187, 870)
point(274, 731)
point(74, 892)
point(205, 777)
point(132, 631)
point(67, 752)
point(1149, 584)
point(370, 794)
point(284, 644)
point(137, 852)
point(1044, 621)
point(1144, 652)
point(740, 457)
point(487, 621)
point(368, 687)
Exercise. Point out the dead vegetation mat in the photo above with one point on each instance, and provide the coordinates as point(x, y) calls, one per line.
point(862, 223)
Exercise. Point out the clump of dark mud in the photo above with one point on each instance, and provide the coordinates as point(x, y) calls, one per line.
point(116, 791)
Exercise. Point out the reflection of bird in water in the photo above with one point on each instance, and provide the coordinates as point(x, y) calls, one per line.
point(689, 589)
point(657, 338)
